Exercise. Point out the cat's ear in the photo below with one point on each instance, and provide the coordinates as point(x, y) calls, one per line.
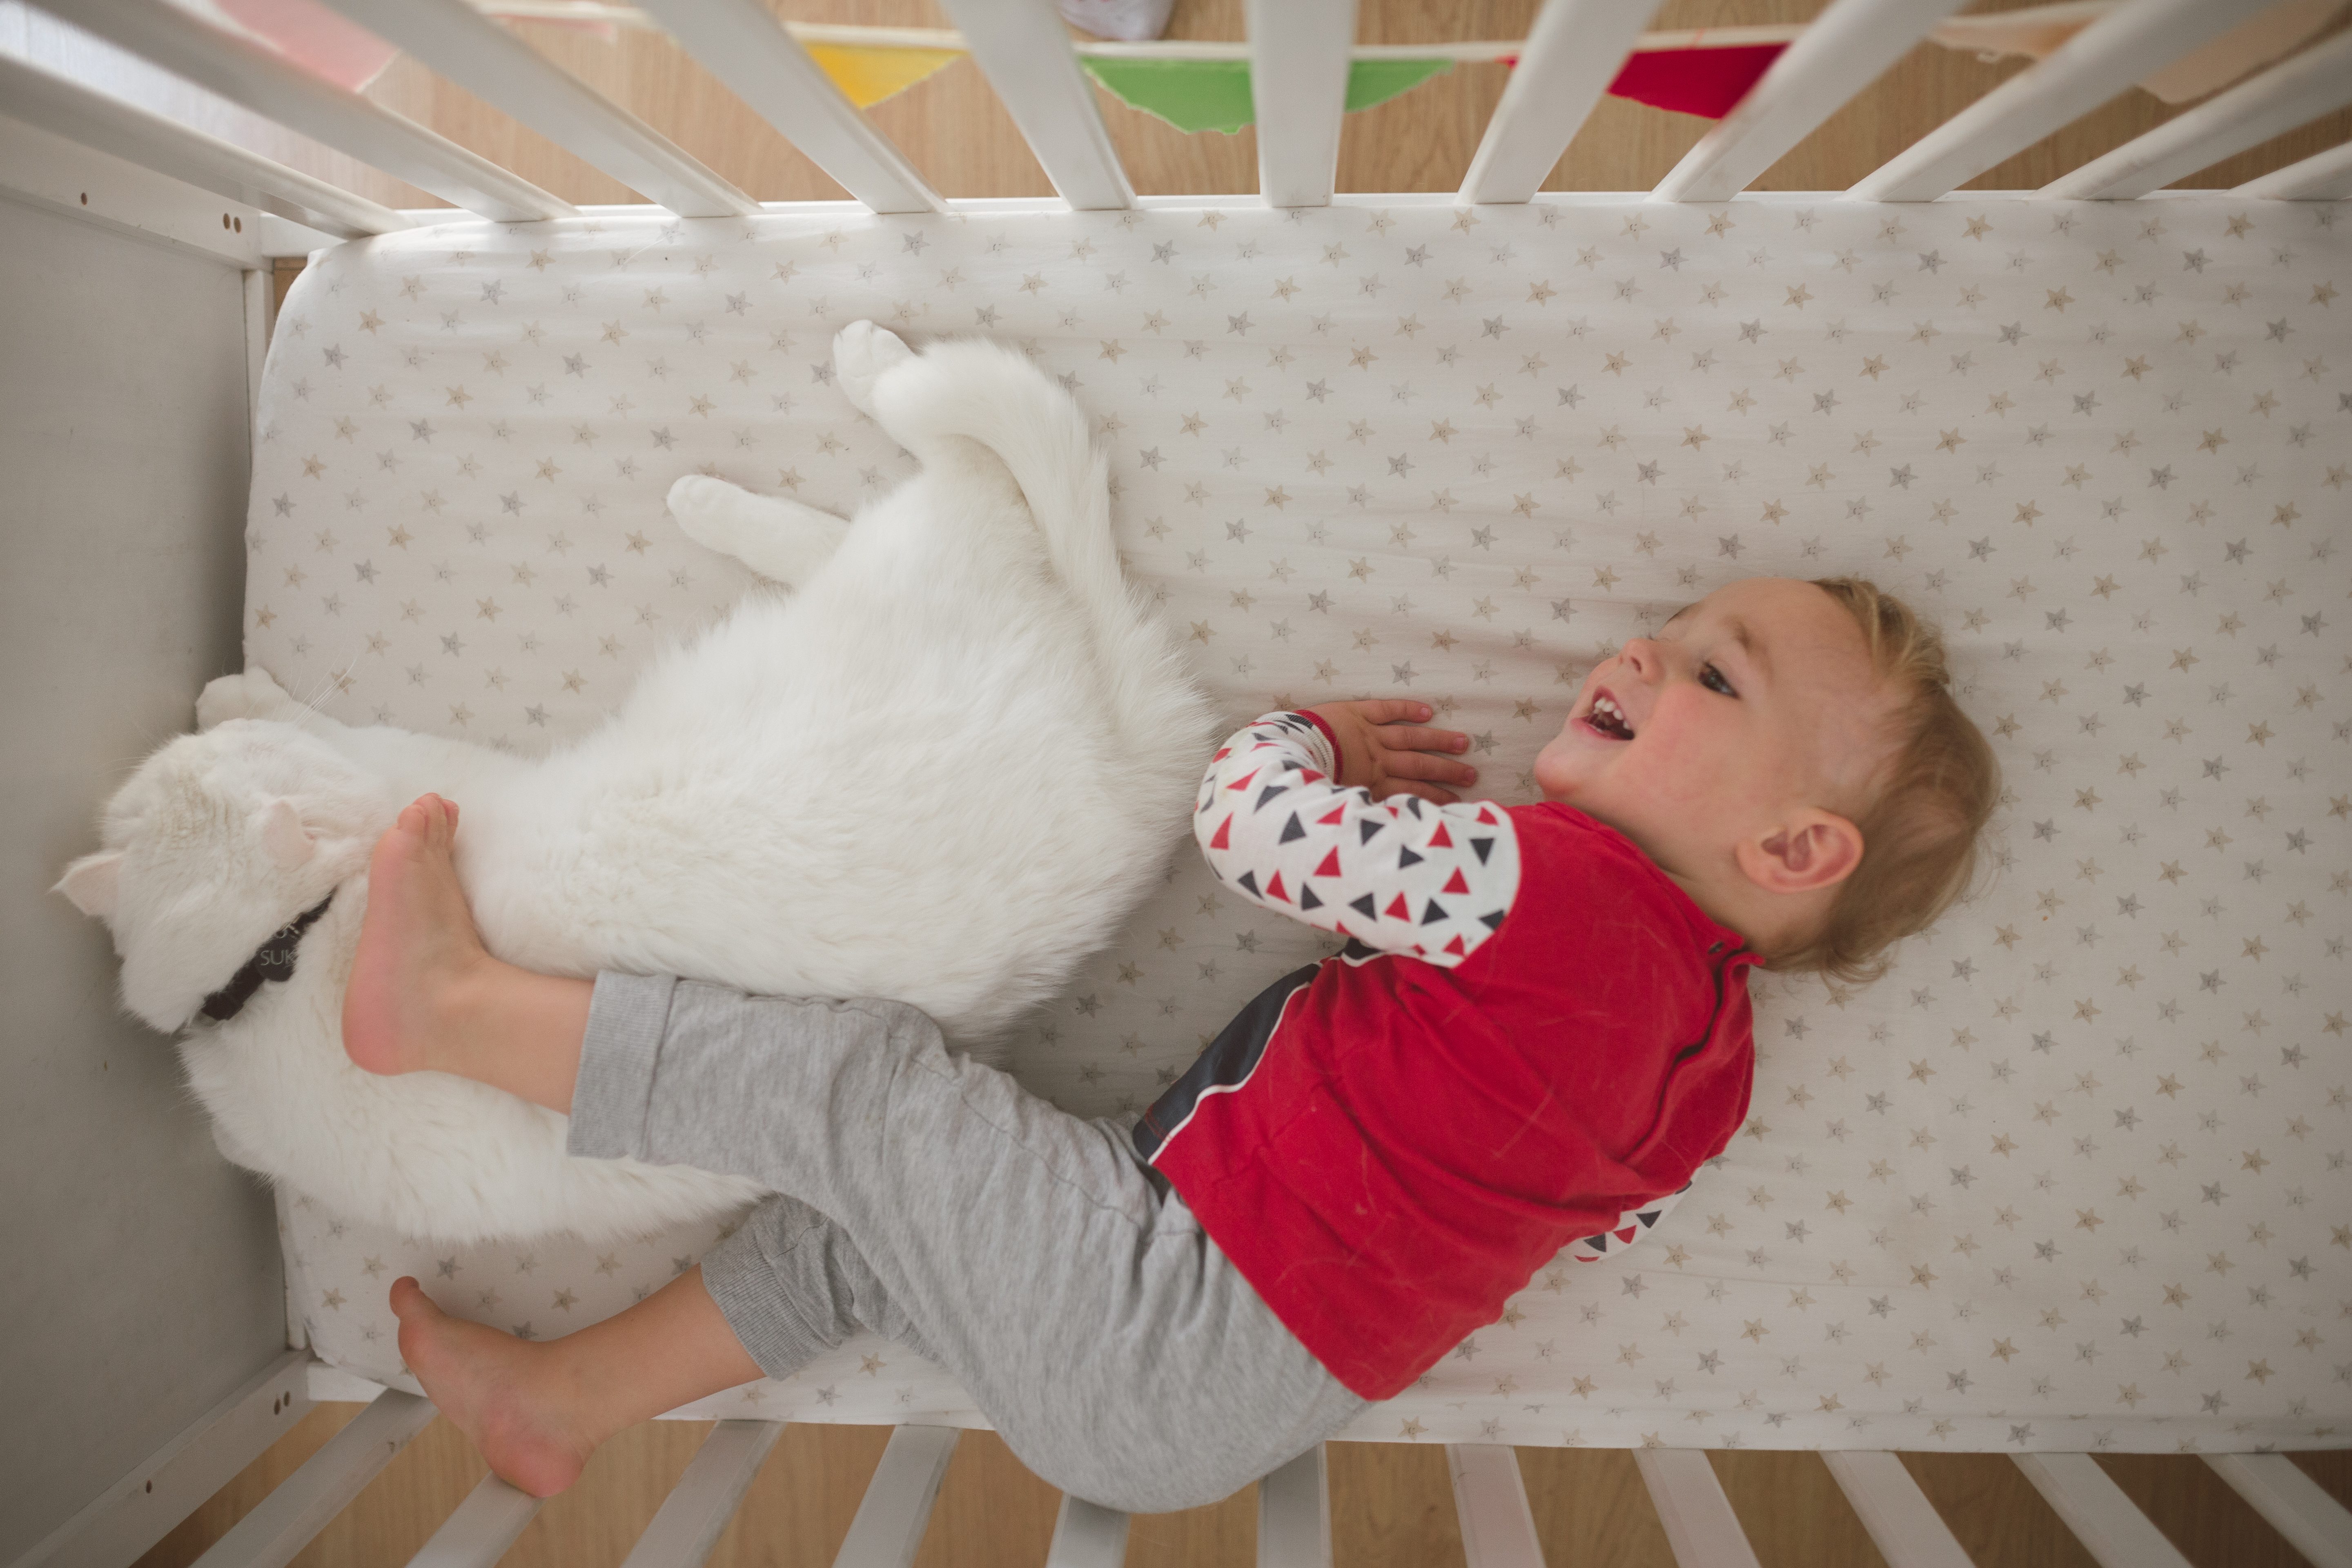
point(288, 842)
point(93, 882)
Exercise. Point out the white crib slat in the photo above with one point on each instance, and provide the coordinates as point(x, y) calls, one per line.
point(1298, 81)
point(134, 1513)
point(1574, 50)
point(2322, 177)
point(740, 43)
point(304, 1501)
point(1490, 1498)
point(483, 1526)
point(247, 74)
point(2298, 1507)
point(1294, 1513)
point(696, 1512)
point(2092, 67)
point(2317, 81)
point(1700, 1525)
point(1086, 1536)
point(1908, 1531)
point(503, 71)
point(1848, 47)
point(168, 147)
point(1023, 48)
point(2109, 1525)
point(897, 1501)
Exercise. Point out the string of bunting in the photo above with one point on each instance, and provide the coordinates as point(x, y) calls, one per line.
point(1196, 85)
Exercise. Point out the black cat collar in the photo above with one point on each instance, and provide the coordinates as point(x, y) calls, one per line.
point(273, 961)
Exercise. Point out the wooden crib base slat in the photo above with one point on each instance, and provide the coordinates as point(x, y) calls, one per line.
point(696, 1512)
point(271, 1534)
point(1293, 1514)
point(1085, 1536)
point(483, 1526)
point(1490, 1498)
point(1903, 1524)
point(2295, 1506)
point(2108, 1522)
point(1700, 1525)
point(897, 1502)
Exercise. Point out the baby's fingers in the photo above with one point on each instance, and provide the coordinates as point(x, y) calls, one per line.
point(1427, 765)
point(1423, 738)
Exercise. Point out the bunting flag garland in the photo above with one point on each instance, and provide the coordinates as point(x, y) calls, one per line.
point(1191, 95)
point(1704, 81)
point(868, 75)
point(1214, 95)
point(1206, 85)
point(1377, 81)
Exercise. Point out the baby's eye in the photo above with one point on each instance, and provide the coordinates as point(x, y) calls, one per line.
point(1705, 670)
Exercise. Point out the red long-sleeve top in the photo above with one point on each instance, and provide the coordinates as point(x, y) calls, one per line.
point(1532, 1040)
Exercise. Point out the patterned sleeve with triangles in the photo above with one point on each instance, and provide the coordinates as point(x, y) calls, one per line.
point(1403, 875)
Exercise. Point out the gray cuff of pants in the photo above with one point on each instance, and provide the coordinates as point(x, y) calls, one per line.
point(626, 1017)
point(746, 1285)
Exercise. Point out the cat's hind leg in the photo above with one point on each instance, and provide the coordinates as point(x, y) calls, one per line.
point(780, 540)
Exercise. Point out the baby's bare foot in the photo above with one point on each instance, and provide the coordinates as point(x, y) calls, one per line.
point(496, 1390)
point(417, 945)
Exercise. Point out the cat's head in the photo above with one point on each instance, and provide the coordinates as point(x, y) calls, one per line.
point(217, 841)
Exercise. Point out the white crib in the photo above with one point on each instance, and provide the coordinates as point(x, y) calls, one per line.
point(129, 1407)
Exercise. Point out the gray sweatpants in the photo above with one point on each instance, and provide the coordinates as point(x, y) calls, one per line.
point(1114, 1348)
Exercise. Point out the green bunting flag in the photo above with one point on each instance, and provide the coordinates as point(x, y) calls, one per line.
point(1214, 95)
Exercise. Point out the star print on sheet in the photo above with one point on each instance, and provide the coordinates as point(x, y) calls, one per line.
point(2076, 1165)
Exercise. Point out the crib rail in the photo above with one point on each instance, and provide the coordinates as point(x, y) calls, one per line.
point(1573, 50)
point(1496, 1525)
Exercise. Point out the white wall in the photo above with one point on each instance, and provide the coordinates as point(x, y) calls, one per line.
point(139, 1273)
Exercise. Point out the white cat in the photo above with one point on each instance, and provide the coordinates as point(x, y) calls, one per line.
point(942, 770)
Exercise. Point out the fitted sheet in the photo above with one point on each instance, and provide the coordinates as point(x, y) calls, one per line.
point(2071, 1177)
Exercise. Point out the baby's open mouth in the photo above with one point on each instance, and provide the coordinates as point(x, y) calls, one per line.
point(1607, 719)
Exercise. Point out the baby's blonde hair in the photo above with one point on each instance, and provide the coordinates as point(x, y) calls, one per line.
point(1932, 798)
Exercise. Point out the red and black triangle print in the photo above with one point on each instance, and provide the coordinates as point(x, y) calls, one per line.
point(1632, 1225)
point(1427, 880)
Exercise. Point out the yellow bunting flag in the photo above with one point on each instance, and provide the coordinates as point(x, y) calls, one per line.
point(867, 75)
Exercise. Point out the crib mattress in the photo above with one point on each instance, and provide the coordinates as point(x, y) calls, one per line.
point(2071, 1177)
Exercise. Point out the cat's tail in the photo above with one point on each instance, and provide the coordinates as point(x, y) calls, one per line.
point(993, 395)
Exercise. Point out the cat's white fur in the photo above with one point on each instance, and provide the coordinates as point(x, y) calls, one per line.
point(942, 770)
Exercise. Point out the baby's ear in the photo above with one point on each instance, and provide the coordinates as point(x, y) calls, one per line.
point(1820, 850)
point(93, 882)
point(288, 842)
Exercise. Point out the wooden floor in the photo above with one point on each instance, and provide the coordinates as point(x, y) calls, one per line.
point(1392, 1503)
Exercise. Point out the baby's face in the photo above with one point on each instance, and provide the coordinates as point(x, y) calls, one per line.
point(1726, 736)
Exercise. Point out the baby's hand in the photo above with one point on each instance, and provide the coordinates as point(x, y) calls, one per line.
point(1385, 748)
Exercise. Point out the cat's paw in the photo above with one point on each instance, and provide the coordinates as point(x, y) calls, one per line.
point(250, 694)
point(702, 505)
point(862, 352)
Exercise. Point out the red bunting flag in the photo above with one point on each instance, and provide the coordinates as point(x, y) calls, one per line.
point(1694, 81)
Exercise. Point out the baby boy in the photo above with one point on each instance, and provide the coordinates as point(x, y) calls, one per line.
point(1537, 1031)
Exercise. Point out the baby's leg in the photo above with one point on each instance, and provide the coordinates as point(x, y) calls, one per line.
point(424, 994)
point(1118, 1349)
point(537, 1410)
